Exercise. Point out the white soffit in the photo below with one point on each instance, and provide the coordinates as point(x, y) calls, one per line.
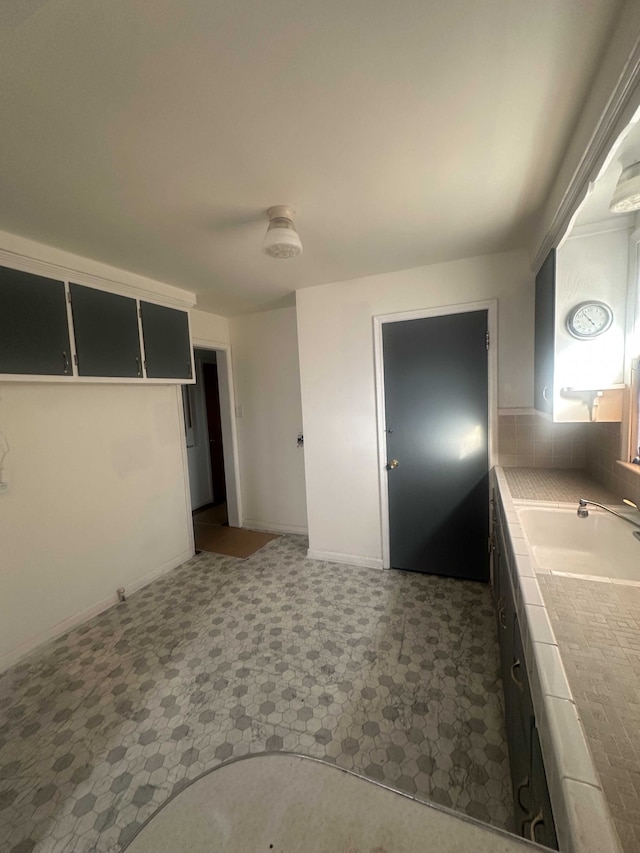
point(154, 135)
point(595, 208)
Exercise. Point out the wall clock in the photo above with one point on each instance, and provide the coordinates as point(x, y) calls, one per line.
point(589, 319)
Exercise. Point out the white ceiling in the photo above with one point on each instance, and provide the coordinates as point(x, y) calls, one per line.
point(153, 134)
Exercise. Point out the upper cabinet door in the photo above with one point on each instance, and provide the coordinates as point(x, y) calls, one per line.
point(106, 332)
point(545, 334)
point(34, 328)
point(167, 347)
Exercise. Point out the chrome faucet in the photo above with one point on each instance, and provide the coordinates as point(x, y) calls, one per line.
point(583, 512)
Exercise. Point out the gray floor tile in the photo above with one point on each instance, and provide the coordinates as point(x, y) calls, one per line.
point(392, 675)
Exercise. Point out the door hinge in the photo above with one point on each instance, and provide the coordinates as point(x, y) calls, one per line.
point(140, 313)
point(75, 359)
point(486, 339)
point(69, 297)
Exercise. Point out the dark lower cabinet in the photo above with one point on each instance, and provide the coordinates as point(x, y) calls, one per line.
point(167, 347)
point(540, 826)
point(106, 333)
point(519, 709)
point(533, 818)
point(34, 330)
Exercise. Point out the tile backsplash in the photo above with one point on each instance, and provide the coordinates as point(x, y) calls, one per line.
point(531, 441)
point(603, 452)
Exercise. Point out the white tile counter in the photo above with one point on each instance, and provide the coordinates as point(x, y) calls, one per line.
point(582, 816)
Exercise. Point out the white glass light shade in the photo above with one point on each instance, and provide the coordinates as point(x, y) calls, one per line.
point(281, 239)
point(626, 196)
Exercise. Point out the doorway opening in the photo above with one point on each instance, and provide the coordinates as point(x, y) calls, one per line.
point(208, 435)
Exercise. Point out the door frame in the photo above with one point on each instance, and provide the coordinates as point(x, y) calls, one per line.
point(491, 307)
point(229, 429)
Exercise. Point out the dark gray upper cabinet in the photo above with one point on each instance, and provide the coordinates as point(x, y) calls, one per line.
point(167, 348)
point(106, 332)
point(34, 330)
point(545, 334)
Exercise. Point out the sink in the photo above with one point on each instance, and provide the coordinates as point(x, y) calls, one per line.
point(598, 546)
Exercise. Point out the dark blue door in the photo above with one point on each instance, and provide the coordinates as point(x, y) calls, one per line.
point(437, 413)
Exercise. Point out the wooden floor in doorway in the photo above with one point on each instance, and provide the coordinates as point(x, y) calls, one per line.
point(213, 534)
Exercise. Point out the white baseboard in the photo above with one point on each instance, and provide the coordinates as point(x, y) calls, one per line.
point(15, 655)
point(346, 559)
point(269, 527)
point(160, 570)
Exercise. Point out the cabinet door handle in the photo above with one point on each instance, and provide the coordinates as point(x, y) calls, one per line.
point(491, 543)
point(545, 393)
point(524, 784)
point(65, 361)
point(539, 818)
point(514, 666)
point(139, 366)
point(502, 615)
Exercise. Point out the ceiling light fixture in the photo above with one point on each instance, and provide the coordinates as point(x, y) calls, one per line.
point(281, 239)
point(626, 196)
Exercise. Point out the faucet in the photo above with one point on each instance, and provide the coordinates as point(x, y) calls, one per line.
point(583, 512)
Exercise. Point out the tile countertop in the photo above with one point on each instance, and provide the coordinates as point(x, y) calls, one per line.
point(583, 815)
point(556, 485)
point(596, 625)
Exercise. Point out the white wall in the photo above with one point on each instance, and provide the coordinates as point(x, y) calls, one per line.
point(97, 475)
point(335, 336)
point(97, 500)
point(209, 328)
point(590, 265)
point(267, 386)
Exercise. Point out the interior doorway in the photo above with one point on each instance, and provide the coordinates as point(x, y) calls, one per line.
point(214, 428)
point(211, 448)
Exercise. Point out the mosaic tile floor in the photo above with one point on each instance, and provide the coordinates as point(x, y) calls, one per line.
point(393, 675)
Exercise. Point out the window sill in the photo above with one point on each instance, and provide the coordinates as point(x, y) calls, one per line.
point(629, 466)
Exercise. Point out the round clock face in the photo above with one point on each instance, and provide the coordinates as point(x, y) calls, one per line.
point(589, 319)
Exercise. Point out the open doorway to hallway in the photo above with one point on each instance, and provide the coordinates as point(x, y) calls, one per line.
point(205, 447)
point(213, 461)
